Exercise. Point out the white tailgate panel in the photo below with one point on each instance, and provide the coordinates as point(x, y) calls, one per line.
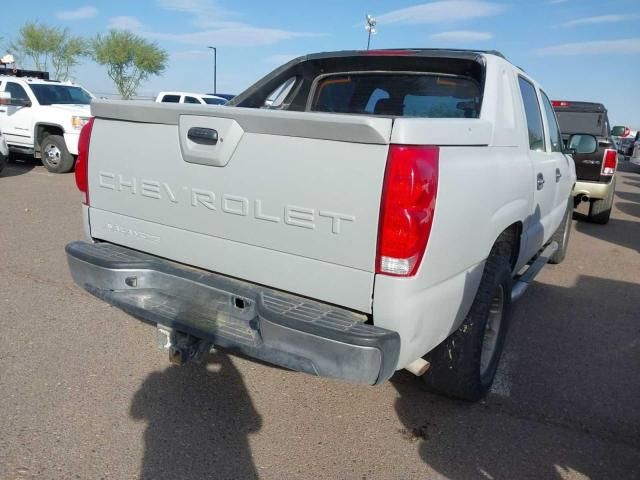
point(295, 213)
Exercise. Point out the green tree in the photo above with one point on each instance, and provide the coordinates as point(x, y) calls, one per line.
point(46, 46)
point(129, 58)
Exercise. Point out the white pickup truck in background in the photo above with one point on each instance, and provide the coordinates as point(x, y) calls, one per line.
point(42, 117)
point(349, 215)
point(188, 97)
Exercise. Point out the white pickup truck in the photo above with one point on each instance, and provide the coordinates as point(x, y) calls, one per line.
point(42, 117)
point(380, 214)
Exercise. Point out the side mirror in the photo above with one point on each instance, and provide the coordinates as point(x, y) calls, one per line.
point(5, 98)
point(582, 144)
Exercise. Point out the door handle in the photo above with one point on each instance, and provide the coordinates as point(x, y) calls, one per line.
point(206, 136)
point(540, 181)
point(558, 175)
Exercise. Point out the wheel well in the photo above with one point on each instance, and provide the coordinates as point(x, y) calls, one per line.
point(508, 243)
point(42, 131)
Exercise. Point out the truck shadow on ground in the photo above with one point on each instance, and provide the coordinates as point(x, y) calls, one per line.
point(632, 209)
point(570, 406)
point(628, 167)
point(625, 233)
point(199, 418)
point(16, 168)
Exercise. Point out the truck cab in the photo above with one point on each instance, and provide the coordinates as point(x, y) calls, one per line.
point(43, 117)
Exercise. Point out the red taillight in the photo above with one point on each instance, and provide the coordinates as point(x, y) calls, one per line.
point(82, 162)
point(560, 103)
point(407, 208)
point(609, 163)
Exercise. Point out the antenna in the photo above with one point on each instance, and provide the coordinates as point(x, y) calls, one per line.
point(371, 28)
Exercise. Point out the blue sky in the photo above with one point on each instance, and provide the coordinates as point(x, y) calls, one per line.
point(578, 49)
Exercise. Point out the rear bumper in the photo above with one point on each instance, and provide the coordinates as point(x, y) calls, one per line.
point(256, 321)
point(597, 190)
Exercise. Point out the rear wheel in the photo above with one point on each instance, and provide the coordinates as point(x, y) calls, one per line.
point(600, 210)
point(55, 156)
point(464, 365)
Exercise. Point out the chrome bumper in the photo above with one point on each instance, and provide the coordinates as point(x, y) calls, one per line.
point(239, 316)
point(597, 190)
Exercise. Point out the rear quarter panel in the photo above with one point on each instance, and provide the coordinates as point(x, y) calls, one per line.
point(481, 191)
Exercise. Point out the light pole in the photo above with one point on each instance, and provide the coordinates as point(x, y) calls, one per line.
point(371, 28)
point(215, 62)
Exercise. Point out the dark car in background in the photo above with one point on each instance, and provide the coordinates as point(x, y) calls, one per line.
point(595, 171)
point(624, 137)
point(625, 146)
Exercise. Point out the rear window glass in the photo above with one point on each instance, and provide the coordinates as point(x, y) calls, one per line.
point(617, 131)
point(399, 95)
point(593, 123)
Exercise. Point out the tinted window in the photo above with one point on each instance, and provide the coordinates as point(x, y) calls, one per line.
point(50, 94)
point(533, 114)
point(398, 94)
point(378, 94)
point(191, 100)
point(171, 99)
point(554, 131)
point(17, 92)
point(593, 123)
point(214, 101)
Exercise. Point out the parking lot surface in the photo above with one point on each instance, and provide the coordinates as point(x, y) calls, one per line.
point(85, 393)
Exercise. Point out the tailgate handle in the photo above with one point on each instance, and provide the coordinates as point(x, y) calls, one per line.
point(203, 136)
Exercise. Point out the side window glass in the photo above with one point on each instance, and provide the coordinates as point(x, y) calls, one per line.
point(171, 99)
point(555, 139)
point(191, 100)
point(279, 95)
point(17, 92)
point(533, 114)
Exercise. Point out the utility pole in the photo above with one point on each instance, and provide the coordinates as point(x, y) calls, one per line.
point(371, 28)
point(215, 68)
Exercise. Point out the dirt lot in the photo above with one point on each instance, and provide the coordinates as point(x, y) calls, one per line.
point(84, 392)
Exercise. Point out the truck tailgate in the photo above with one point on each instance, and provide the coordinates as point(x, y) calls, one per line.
point(285, 199)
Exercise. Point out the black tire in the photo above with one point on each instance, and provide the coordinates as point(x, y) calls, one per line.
point(562, 235)
point(456, 364)
point(600, 210)
point(3, 162)
point(54, 154)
